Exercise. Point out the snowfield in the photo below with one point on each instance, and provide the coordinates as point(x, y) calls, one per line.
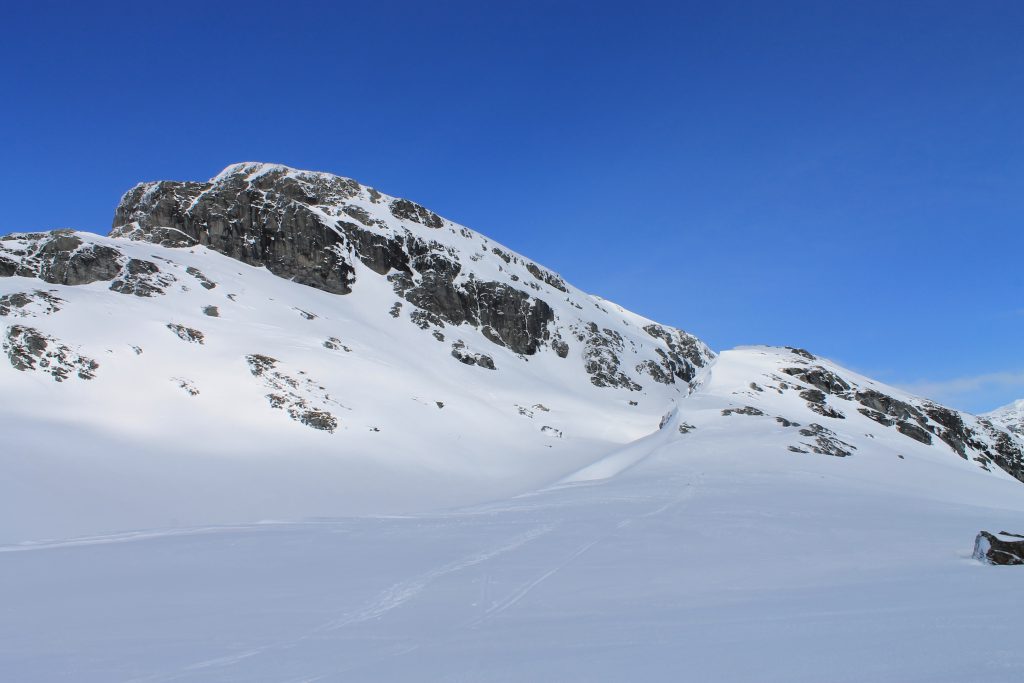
point(440, 462)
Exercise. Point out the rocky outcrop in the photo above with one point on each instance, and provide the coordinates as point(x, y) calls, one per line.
point(824, 441)
point(1002, 548)
point(141, 278)
point(300, 397)
point(59, 257)
point(187, 334)
point(29, 349)
point(464, 355)
point(28, 304)
point(823, 379)
point(602, 357)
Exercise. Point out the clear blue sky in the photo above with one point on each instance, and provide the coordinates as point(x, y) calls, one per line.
point(843, 176)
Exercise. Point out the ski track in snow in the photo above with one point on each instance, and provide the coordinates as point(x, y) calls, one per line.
point(401, 593)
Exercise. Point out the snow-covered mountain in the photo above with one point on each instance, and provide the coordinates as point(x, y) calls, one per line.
point(317, 347)
point(282, 426)
point(1009, 417)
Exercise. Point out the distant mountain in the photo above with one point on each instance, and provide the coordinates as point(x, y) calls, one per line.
point(1009, 417)
point(282, 343)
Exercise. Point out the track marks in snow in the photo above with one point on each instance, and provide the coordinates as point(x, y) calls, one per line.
point(402, 592)
point(513, 598)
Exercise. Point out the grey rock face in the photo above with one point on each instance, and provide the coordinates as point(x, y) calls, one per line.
point(59, 257)
point(1002, 548)
point(267, 221)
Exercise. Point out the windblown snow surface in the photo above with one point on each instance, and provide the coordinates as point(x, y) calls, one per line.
point(167, 520)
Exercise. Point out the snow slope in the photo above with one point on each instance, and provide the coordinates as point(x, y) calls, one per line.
point(721, 555)
point(281, 426)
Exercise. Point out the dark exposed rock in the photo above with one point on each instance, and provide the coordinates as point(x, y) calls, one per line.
point(380, 253)
point(264, 221)
point(953, 430)
point(24, 304)
point(685, 428)
point(786, 423)
point(305, 314)
point(813, 395)
point(359, 213)
point(745, 410)
point(260, 364)
point(914, 432)
point(1005, 451)
point(317, 419)
point(601, 352)
point(888, 405)
point(203, 280)
point(186, 333)
point(141, 278)
point(29, 349)
point(59, 257)
point(186, 385)
point(396, 309)
point(211, 311)
point(551, 431)
point(293, 395)
point(560, 347)
point(503, 255)
point(817, 376)
point(826, 442)
point(1001, 549)
point(825, 410)
point(411, 211)
point(655, 370)
point(505, 315)
point(879, 417)
point(546, 277)
point(684, 353)
point(802, 352)
point(334, 344)
point(463, 355)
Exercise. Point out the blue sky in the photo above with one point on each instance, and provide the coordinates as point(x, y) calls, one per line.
point(847, 177)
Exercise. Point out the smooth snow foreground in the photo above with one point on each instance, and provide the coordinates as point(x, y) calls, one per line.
point(711, 556)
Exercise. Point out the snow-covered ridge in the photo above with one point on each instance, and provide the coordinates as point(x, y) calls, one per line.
point(1009, 417)
point(316, 347)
